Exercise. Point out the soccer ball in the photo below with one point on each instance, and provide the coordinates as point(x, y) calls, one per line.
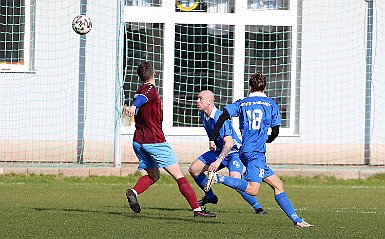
point(82, 24)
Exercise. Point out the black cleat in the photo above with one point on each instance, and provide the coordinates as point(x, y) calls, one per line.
point(203, 213)
point(204, 201)
point(260, 211)
point(133, 201)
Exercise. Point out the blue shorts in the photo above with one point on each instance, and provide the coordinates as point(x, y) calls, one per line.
point(232, 161)
point(154, 155)
point(256, 167)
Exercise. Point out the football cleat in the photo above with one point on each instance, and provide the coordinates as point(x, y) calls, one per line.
point(133, 201)
point(260, 211)
point(302, 224)
point(203, 213)
point(211, 180)
point(205, 200)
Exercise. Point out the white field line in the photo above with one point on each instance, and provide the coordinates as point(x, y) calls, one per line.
point(331, 186)
point(350, 210)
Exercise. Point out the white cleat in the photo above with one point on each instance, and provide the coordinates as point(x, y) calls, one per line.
point(211, 180)
point(302, 224)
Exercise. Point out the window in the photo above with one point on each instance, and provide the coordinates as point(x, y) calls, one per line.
point(16, 35)
point(213, 45)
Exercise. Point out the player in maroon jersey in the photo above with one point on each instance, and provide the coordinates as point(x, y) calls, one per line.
point(150, 145)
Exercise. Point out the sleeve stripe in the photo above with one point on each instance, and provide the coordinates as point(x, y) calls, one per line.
point(138, 95)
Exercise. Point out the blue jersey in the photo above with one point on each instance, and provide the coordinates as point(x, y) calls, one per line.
point(257, 113)
point(226, 130)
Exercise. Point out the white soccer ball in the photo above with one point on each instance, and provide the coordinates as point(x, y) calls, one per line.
point(82, 24)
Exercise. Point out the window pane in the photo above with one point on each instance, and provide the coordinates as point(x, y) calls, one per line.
point(268, 49)
point(203, 61)
point(143, 42)
point(12, 24)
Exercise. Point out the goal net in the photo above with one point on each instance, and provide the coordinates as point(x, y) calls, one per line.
point(62, 94)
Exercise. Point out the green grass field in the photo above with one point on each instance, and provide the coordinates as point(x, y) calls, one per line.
point(34, 206)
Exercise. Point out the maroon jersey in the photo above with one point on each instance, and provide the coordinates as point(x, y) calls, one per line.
point(149, 117)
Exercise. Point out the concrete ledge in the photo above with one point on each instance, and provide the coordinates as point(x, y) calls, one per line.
point(76, 172)
point(287, 172)
point(128, 170)
point(36, 170)
point(345, 174)
point(314, 172)
point(105, 172)
point(348, 172)
point(16, 170)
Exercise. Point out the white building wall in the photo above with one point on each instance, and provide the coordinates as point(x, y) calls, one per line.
point(333, 73)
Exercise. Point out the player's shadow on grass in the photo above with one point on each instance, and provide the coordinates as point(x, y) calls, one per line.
point(79, 210)
point(168, 209)
point(220, 210)
point(132, 215)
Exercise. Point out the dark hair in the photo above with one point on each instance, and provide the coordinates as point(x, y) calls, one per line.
point(145, 71)
point(257, 82)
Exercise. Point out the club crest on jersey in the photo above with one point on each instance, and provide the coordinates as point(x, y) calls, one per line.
point(236, 164)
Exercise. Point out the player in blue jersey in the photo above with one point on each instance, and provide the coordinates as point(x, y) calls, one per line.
point(257, 113)
point(226, 154)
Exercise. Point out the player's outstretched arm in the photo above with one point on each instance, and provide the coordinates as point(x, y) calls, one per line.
point(218, 125)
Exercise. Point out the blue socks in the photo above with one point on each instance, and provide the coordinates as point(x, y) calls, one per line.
point(240, 185)
point(201, 180)
point(250, 199)
point(235, 183)
point(285, 204)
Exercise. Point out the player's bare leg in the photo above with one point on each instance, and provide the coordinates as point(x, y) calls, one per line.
point(275, 183)
point(253, 188)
